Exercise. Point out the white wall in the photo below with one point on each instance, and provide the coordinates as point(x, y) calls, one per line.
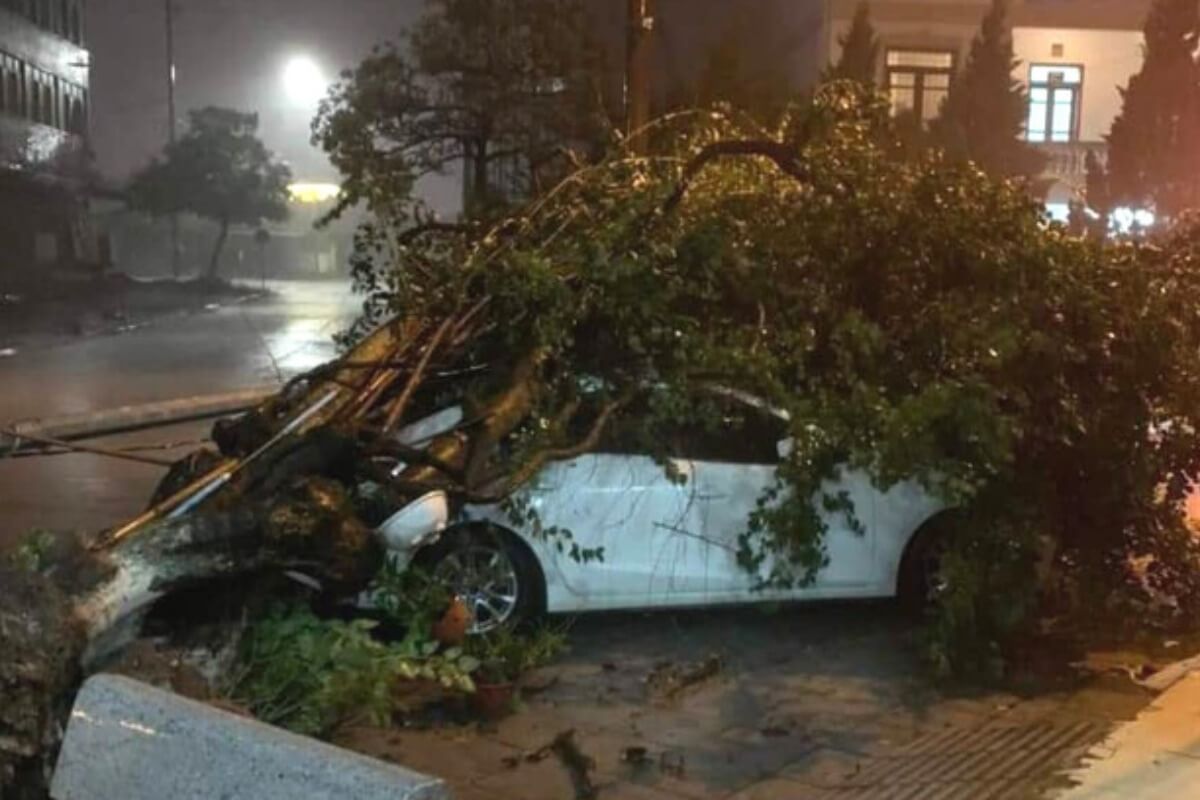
point(903, 34)
point(1109, 59)
point(918, 24)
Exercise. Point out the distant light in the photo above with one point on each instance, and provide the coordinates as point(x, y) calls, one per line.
point(314, 193)
point(1059, 212)
point(304, 82)
point(1130, 219)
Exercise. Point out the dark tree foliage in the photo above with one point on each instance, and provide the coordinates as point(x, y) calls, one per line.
point(220, 170)
point(743, 70)
point(509, 88)
point(1154, 160)
point(860, 50)
point(984, 115)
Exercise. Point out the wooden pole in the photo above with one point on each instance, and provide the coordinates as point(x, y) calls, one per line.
point(172, 122)
point(638, 69)
point(93, 450)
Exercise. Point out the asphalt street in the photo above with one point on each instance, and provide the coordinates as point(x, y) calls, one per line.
point(224, 348)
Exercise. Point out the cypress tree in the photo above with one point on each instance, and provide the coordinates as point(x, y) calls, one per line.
point(859, 60)
point(984, 115)
point(1154, 143)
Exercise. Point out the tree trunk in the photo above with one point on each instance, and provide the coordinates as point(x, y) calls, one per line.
point(479, 177)
point(55, 626)
point(214, 264)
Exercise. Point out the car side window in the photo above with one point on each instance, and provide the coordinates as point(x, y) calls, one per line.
point(625, 434)
point(738, 433)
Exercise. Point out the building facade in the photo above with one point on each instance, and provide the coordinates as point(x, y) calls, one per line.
point(44, 68)
point(1073, 56)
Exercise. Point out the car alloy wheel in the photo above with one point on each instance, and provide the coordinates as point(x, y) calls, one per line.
point(483, 575)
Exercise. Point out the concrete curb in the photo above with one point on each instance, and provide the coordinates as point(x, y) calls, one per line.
point(131, 741)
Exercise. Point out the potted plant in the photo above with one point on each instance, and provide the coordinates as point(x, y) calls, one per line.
point(504, 656)
point(413, 601)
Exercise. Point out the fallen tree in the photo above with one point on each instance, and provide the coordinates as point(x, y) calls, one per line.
point(278, 495)
point(915, 319)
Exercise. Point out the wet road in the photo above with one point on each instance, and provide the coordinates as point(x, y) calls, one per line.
point(254, 343)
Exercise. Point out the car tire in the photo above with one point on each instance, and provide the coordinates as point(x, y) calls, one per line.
point(493, 571)
point(918, 579)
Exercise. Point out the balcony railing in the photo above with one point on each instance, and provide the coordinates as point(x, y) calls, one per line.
point(1066, 162)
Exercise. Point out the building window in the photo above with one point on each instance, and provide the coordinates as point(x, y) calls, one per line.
point(918, 81)
point(14, 88)
point(78, 123)
point(10, 90)
point(58, 96)
point(33, 98)
point(45, 107)
point(1054, 103)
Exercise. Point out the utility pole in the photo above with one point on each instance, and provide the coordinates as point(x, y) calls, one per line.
point(639, 65)
point(172, 122)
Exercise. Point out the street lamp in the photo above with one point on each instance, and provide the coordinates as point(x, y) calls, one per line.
point(303, 81)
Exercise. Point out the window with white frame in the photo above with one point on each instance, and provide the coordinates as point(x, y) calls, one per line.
point(918, 81)
point(1054, 92)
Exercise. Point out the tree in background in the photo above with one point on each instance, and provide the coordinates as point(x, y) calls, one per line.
point(740, 72)
point(509, 89)
point(983, 117)
point(219, 170)
point(1154, 144)
point(860, 50)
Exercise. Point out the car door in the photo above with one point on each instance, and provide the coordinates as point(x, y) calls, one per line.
point(729, 484)
point(625, 506)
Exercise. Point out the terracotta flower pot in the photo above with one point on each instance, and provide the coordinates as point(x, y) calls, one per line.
point(493, 700)
point(451, 629)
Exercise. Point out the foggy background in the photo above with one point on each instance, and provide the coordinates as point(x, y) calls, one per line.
point(233, 53)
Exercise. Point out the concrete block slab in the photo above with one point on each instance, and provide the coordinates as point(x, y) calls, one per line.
point(129, 740)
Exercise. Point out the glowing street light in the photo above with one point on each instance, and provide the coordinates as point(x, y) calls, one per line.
point(304, 82)
point(311, 194)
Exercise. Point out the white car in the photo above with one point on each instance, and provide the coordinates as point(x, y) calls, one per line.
point(665, 543)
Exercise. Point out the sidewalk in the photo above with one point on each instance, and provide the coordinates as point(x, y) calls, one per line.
point(1154, 757)
point(52, 311)
point(811, 703)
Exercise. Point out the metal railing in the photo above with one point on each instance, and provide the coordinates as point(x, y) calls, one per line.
point(1067, 161)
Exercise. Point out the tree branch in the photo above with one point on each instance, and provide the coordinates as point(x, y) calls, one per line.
point(415, 455)
point(532, 467)
point(783, 155)
point(416, 232)
point(401, 404)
